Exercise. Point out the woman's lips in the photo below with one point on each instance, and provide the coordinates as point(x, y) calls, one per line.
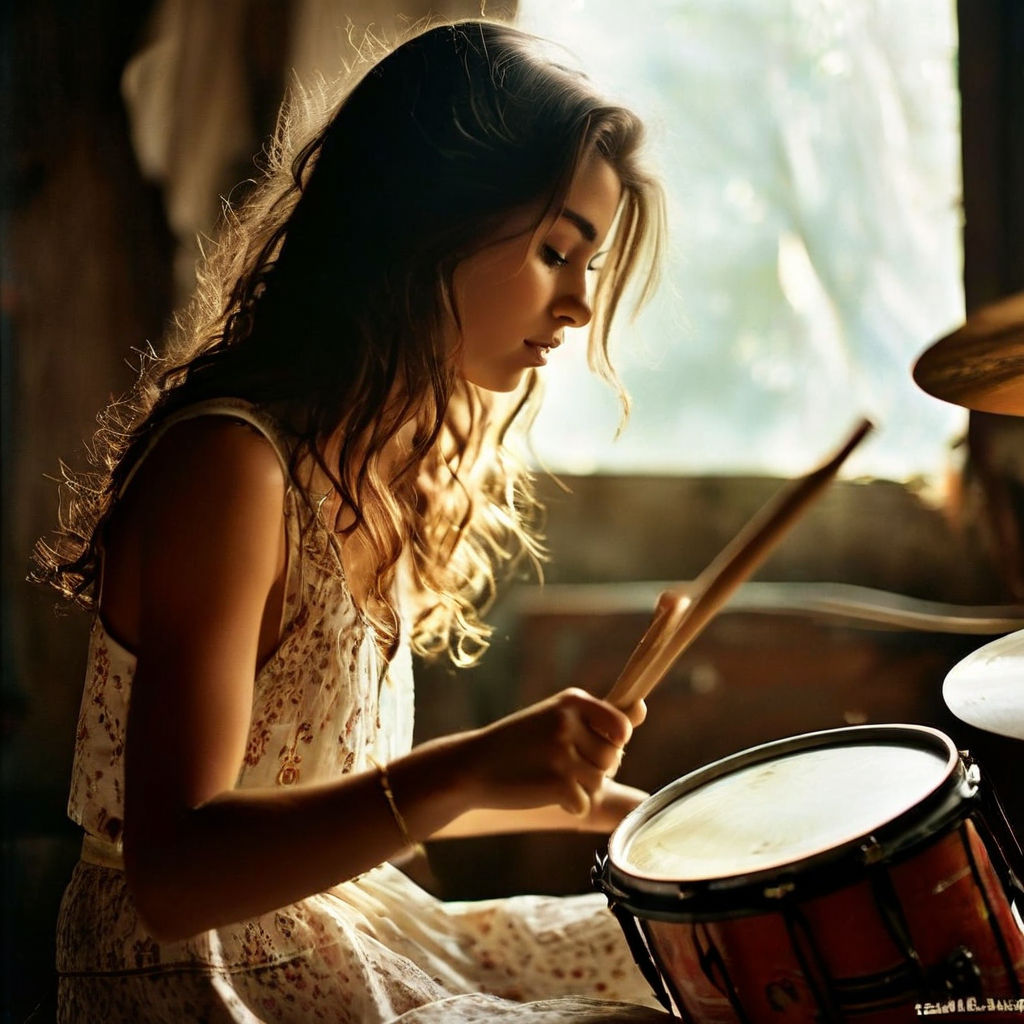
point(539, 351)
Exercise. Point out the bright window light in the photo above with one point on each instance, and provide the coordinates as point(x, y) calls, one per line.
point(811, 154)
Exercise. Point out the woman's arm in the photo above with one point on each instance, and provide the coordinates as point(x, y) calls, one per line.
point(199, 853)
point(608, 807)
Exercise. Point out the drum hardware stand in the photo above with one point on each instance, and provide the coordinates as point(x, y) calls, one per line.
point(635, 939)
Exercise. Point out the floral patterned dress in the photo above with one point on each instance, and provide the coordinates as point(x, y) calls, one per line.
point(373, 949)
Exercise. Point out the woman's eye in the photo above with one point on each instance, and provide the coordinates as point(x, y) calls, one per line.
point(552, 257)
point(597, 263)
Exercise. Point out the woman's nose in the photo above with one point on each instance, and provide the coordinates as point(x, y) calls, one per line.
point(573, 308)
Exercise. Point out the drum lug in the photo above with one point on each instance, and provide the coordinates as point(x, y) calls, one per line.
point(601, 881)
point(872, 851)
point(972, 772)
point(960, 975)
point(779, 892)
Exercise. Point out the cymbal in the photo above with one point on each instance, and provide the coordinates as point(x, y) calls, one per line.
point(981, 364)
point(986, 689)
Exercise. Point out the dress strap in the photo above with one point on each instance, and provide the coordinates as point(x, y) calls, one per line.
point(234, 408)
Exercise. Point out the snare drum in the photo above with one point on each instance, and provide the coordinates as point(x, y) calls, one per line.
point(839, 875)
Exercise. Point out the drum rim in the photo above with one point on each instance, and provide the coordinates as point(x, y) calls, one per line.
point(947, 801)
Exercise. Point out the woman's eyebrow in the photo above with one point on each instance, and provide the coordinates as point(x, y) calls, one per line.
point(586, 229)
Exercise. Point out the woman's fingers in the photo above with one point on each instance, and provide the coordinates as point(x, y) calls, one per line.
point(605, 730)
point(597, 752)
point(583, 770)
point(601, 718)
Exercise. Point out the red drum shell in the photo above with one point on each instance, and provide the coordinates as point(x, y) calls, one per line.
point(869, 931)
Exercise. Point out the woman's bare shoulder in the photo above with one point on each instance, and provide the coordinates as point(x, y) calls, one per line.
point(207, 482)
point(216, 455)
point(201, 519)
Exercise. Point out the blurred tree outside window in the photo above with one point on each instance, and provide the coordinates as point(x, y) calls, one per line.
point(810, 151)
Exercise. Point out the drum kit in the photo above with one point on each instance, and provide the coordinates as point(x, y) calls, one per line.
point(866, 873)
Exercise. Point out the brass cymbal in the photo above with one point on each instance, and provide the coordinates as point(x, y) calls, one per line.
point(986, 689)
point(981, 364)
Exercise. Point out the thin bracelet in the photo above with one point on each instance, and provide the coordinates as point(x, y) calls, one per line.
point(385, 785)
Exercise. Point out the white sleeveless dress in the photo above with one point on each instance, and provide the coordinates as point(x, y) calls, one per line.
point(374, 949)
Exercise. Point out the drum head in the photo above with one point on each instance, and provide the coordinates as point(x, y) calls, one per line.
point(780, 807)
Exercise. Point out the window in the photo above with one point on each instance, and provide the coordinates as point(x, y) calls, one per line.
point(810, 151)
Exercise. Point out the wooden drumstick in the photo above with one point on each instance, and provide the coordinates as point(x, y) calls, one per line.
point(683, 613)
point(671, 606)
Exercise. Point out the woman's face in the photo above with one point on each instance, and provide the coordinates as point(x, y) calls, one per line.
point(515, 296)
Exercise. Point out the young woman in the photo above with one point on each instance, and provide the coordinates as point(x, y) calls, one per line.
point(315, 483)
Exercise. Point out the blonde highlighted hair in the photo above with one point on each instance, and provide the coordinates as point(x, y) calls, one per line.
point(326, 302)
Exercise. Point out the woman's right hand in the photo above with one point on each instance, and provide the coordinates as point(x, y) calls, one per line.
point(558, 751)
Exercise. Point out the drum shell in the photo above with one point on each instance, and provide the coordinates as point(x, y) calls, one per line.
point(949, 897)
point(871, 942)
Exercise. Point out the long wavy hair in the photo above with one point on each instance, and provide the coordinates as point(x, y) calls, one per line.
point(328, 301)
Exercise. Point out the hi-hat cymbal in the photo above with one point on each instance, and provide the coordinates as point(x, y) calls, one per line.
point(981, 364)
point(986, 689)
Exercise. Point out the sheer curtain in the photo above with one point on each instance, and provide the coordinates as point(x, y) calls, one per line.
point(810, 149)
